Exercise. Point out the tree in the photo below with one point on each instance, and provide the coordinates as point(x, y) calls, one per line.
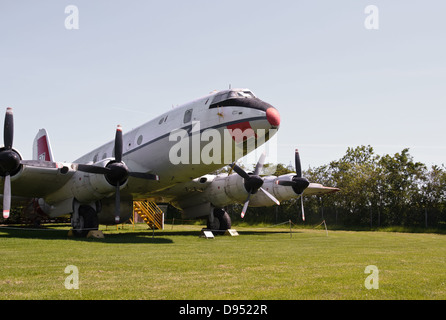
point(434, 195)
point(381, 190)
point(356, 174)
point(401, 184)
point(375, 191)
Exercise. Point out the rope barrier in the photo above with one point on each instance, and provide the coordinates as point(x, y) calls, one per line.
point(323, 222)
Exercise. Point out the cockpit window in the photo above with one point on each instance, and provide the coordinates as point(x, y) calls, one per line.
point(232, 94)
point(224, 96)
point(245, 94)
point(241, 98)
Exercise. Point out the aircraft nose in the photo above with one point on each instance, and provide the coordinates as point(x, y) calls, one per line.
point(273, 116)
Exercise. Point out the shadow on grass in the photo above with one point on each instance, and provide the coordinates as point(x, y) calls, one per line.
point(121, 236)
point(43, 233)
point(32, 233)
point(241, 232)
point(131, 237)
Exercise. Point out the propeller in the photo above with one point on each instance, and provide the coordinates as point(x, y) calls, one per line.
point(253, 182)
point(298, 183)
point(116, 172)
point(9, 161)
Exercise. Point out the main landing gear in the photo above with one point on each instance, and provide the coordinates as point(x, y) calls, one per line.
point(84, 219)
point(219, 221)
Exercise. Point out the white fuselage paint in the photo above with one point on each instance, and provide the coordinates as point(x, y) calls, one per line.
point(146, 148)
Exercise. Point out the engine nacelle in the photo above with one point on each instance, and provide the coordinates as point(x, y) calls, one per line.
point(279, 192)
point(88, 187)
point(222, 190)
point(225, 190)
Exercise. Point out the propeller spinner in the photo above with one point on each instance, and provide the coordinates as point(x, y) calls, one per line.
point(298, 183)
point(253, 182)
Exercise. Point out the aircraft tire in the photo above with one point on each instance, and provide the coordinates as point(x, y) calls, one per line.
point(89, 218)
point(221, 223)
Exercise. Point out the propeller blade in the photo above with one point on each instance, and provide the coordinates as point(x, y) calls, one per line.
point(92, 169)
point(253, 182)
point(105, 170)
point(298, 183)
point(240, 171)
point(285, 183)
point(118, 144)
point(11, 160)
point(297, 164)
point(7, 197)
point(270, 196)
point(116, 172)
point(117, 204)
point(259, 164)
point(147, 176)
point(245, 206)
point(8, 130)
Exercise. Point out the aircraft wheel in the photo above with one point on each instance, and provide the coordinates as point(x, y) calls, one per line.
point(88, 220)
point(221, 223)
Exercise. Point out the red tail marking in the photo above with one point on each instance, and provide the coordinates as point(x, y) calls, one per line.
point(43, 152)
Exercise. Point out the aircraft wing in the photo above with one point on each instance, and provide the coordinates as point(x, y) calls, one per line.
point(318, 189)
point(38, 179)
point(222, 190)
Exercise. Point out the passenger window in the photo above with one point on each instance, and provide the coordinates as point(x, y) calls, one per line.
point(139, 141)
point(187, 116)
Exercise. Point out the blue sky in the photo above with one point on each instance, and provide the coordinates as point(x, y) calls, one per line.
point(335, 83)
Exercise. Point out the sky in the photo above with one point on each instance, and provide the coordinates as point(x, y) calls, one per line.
point(336, 81)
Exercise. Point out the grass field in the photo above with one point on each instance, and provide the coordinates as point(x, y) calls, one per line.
point(260, 263)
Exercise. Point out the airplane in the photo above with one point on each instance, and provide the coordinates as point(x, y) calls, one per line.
point(168, 159)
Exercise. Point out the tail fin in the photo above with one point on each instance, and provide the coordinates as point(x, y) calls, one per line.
point(42, 147)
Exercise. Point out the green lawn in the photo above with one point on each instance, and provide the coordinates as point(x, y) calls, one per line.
point(260, 263)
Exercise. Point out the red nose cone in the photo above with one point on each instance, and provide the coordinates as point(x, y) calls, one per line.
point(273, 117)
